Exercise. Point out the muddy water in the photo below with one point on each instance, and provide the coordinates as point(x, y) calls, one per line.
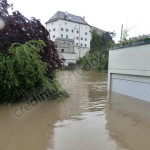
point(90, 119)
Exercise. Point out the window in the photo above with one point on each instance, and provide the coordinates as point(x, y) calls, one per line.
point(77, 31)
point(62, 35)
point(67, 30)
point(85, 39)
point(77, 38)
point(62, 29)
point(54, 29)
point(53, 36)
point(85, 45)
point(62, 50)
point(85, 33)
point(76, 44)
point(81, 38)
point(66, 36)
point(65, 22)
point(81, 44)
point(49, 30)
point(72, 31)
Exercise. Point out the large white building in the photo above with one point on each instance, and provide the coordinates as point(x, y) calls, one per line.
point(70, 28)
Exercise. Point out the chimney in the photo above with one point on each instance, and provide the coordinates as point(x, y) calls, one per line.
point(66, 15)
point(70, 18)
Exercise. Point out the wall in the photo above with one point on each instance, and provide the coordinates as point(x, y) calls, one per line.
point(131, 61)
point(50, 27)
point(71, 35)
point(66, 45)
point(69, 58)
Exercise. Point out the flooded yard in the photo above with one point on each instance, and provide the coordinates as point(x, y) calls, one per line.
point(90, 119)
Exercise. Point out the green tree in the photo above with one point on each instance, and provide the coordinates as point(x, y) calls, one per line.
point(125, 33)
point(22, 71)
point(96, 41)
point(101, 44)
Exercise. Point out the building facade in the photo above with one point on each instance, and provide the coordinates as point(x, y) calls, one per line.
point(129, 71)
point(64, 26)
point(65, 47)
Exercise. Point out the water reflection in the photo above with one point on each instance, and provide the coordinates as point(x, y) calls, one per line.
point(83, 126)
point(128, 121)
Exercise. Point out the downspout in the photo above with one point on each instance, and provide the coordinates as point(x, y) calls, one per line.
point(79, 42)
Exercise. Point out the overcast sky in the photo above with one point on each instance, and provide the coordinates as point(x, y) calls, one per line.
point(107, 15)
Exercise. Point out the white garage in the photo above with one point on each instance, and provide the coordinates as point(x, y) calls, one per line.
point(134, 86)
point(129, 71)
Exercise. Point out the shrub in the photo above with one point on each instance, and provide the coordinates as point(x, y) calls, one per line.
point(22, 71)
point(94, 60)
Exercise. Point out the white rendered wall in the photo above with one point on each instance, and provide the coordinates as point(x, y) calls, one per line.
point(69, 58)
point(72, 35)
point(133, 61)
point(50, 27)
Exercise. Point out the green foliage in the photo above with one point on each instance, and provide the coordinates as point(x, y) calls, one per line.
point(129, 42)
point(88, 58)
point(57, 91)
point(22, 72)
point(100, 44)
point(96, 42)
point(94, 60)
point(125, 34)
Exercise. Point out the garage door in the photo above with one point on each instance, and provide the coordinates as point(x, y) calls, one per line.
point(133, 86)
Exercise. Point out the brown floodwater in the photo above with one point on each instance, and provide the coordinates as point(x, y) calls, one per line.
point(90, 119)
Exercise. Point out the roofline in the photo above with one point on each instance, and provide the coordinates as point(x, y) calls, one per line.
point(66, 20)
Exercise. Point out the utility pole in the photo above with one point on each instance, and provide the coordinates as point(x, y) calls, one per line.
point(121, 32)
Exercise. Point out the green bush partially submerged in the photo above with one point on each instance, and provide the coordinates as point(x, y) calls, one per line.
point(22, 71)
point(94, 60)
